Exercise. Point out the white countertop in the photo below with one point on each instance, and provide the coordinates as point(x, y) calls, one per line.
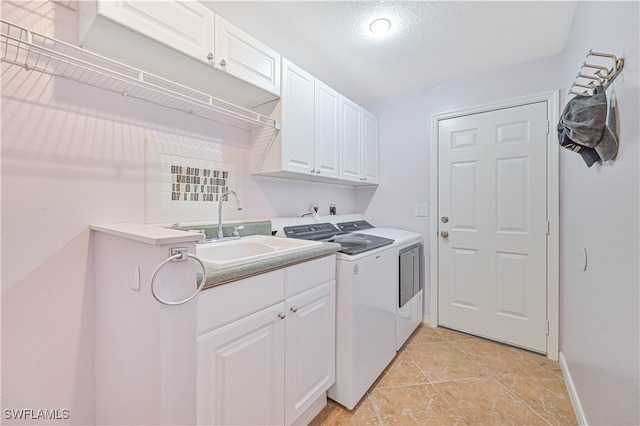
point(148, 234)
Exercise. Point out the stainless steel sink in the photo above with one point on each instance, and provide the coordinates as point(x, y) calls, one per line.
point(248, 249)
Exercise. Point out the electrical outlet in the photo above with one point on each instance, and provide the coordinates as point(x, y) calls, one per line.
point(421, 209)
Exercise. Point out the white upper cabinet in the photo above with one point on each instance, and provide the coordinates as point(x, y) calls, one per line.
point(307, 147)
point(239, 54)
point(186, 26)
point(297, 134)
point(327, 131)
point(325, 136)
point(311, 120)
point(358, 144)
point(350, 140)
point(370, 148)
point(184, 41)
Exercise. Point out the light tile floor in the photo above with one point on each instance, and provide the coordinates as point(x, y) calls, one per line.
point(442, 377)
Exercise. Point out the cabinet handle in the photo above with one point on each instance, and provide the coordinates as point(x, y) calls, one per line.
point(281, 315)
point(318, 172)
point(294, 309)
point(223, 63)
point(313, 171)
point(210, 58)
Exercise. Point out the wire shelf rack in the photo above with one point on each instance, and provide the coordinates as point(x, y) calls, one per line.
point(37, 52)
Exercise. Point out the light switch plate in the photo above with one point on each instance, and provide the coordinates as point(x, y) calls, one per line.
point(421, 209)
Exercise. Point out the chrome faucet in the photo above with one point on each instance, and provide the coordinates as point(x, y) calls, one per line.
point(238, 206)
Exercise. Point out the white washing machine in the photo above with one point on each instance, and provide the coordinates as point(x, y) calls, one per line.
point(408, 270)
point(365, 307)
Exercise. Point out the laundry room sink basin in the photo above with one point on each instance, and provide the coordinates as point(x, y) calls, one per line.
point(248, 249)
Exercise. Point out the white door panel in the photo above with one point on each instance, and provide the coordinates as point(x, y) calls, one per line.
point(245, 57)
point(492, 191)
point(298, 88)
point(309, 348)
point(239, 363)
point(327, 131)
point(350, 140)
point(186, 26)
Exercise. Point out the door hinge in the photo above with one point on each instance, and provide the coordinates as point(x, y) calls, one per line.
point(548, 325)
point(547, 227)
point(548, 126)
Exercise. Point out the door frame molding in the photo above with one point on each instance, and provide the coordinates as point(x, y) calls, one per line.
point(552, 98)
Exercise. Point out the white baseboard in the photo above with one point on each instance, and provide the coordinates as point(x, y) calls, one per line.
point(426, 320)
point(573, 394)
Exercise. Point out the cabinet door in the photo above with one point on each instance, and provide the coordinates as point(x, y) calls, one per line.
point(297, 119)
point(327, 130)
point(242, 56)
point(370, 145)
point(186, 26)
point(310, 348)
point(350, 140)
point(240, 370)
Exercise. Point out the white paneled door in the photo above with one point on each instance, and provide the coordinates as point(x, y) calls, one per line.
point(492, 225)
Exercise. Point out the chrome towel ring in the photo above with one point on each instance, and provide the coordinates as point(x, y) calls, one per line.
point(178, 255)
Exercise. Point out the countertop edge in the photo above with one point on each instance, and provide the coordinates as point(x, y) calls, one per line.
point(216, 277)
point(148, 234)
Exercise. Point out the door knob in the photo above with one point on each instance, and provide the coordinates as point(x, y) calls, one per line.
point(444, 234)
point(294, 309)
point(444, 219)
point(281, 315)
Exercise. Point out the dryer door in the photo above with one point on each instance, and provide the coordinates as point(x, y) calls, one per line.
point(409, 274)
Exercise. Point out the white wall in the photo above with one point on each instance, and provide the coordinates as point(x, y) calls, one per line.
point(405, 140)
point(599, 206)
point(600, 212)
point(72, 156)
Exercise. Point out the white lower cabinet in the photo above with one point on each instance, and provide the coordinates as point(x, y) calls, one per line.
point(273, 365)
point(240, 370)
point(309, 348)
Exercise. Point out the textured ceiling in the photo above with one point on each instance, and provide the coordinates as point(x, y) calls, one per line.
point(430, 43)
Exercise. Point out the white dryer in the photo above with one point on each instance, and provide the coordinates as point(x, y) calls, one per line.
point(408, 270)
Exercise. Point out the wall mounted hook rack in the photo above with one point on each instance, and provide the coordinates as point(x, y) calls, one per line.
point(607, 67)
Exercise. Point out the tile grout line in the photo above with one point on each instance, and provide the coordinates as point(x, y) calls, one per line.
point(417, 343)
point(435, 388)
point(522, 401)
point(376, 410)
